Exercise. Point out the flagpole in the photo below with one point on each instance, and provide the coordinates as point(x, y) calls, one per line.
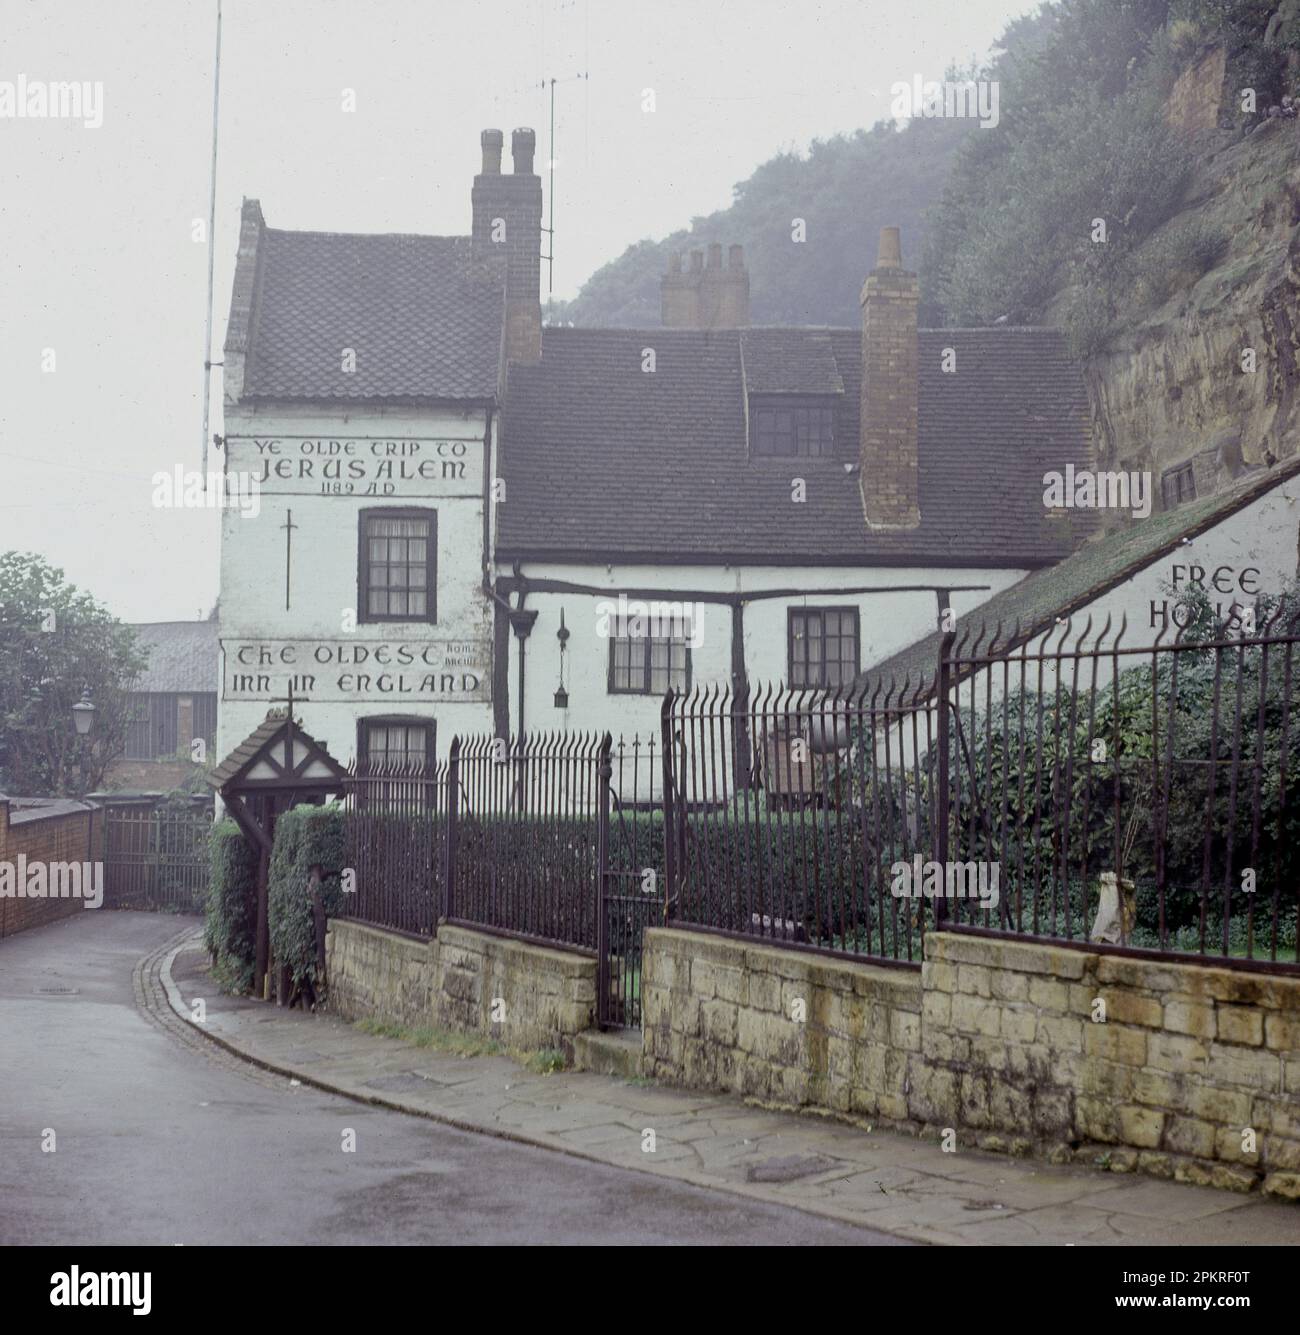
point(212, 223)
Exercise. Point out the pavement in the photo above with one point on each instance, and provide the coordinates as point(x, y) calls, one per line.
point(895, 1184)
point(123, 1124)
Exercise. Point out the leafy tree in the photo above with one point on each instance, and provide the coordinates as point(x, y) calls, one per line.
point(55, 642)
point(845, 189)
point(996, 221)
point(1082, 135)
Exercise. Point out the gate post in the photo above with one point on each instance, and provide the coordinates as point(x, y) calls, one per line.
point(604, 773)
point(669, 791)
point(453, 823)
point(943, 685)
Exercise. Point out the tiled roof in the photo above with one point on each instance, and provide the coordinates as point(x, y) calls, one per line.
point(775, 363)
point(23, 809)
point(605, 461)
point(248, 748)
point(422, 316)
point(1099, 566)
point(321, 770)
point(183, 656)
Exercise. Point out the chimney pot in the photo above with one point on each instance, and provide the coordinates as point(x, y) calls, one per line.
point(516, 201)
point(523, 143)
point(890, 253)
point(706, 296)
point(492, 141)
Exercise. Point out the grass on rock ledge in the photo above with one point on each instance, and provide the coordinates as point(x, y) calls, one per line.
point(542, 1062)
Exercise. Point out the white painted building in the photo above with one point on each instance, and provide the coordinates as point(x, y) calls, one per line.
point(445, 486)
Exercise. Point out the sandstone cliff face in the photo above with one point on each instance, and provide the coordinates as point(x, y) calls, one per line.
point(1171, 387)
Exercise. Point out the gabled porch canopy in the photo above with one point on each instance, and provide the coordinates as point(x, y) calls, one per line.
point(276, 767)
point(279, 755)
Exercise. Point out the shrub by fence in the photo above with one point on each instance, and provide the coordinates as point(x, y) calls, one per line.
point(305, 837)
point(528, 848)
point(230, 926)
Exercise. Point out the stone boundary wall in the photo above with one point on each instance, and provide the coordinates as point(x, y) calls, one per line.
point(375, 974)
point(1002, 1041)
point(63, 837)
point(1186, 1060)
point(721, 1013)
point(546, 995)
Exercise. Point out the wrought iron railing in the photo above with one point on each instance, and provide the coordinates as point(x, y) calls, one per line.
point(1066, 785)
point(395, 836)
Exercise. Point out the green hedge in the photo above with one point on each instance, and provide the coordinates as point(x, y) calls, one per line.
point(230, 926)
point(305, 837)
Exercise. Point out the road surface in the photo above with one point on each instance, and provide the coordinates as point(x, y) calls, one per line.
point(161, 1141)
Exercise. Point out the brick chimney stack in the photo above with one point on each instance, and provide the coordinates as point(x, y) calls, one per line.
point(887, 444)
point(707, 296)
point(507, 219)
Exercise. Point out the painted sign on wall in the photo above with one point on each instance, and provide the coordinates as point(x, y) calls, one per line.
point(409, 671)
point(360, 466)
point(1228, 587)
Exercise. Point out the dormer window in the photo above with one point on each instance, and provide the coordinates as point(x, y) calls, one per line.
point(784, 426)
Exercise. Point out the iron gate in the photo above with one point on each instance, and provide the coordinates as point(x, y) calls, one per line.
point(156, 857)
point(630, 880)
point(557, 838)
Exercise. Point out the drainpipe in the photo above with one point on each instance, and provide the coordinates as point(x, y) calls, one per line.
point(487, 500)
point(522, 621)
point(490, 592)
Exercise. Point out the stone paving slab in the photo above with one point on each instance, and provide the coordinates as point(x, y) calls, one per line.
point(890, 1181)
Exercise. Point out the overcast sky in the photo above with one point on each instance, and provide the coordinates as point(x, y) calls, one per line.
point(97, 256)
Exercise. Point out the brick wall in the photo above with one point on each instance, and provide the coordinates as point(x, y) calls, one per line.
point(1131, 1064)
point(455, 982)
point(517, 199)
point(57, 838)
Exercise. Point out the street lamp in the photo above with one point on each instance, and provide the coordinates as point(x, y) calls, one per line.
point(561, 695)
point(83, 714)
